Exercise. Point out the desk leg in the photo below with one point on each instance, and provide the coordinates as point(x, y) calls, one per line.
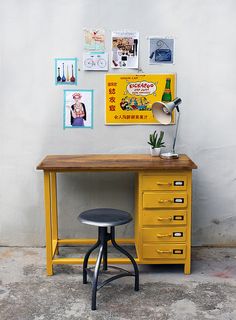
point(187, 267)
point(48, 224)
point(53, 180)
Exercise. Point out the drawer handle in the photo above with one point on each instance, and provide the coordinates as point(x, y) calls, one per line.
point(163, 251)
point(165, 201)
point(164, 184)
point(164, 219)
point(168, 235)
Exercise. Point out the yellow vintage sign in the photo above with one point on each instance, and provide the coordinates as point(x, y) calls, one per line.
point(129, 97)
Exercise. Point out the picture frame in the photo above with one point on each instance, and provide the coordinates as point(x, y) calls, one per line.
point(78, 109)
point(66, 71)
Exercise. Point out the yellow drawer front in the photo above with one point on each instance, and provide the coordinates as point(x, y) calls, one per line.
point(164, 183)
point(164, 234)
point(162, 217)
point(164, 200)
point(164, 251)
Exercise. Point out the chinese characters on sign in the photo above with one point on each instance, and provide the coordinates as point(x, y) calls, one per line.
point(129, 98)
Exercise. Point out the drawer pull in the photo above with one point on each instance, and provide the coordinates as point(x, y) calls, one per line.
point(163, 251)
point(164, 184)
point(168, 235)
point(164, 219)
point(165, 201)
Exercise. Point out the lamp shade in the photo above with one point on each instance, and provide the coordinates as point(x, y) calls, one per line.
point(162, 111)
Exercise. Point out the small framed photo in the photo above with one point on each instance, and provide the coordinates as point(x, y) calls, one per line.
point(161, 50)
point(95, 61)
point(78, 108)
point(66, 71)
point(125, 50)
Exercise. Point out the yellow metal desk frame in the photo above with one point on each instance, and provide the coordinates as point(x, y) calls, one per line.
point(162, 201)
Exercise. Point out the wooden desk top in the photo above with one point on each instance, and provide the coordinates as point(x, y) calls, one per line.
point(113, 162)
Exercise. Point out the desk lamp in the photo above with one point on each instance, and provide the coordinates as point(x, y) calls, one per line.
point(162, 112)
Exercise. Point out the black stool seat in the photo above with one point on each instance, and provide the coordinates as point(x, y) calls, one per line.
point(105, 217)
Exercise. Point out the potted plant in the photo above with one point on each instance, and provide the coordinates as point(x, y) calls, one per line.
point(156, 143)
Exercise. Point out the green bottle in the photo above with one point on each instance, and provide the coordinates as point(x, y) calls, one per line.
point(166, 97)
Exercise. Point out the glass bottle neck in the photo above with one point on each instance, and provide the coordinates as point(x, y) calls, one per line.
point(167, 83)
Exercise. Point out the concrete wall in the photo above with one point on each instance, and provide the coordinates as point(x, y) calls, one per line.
point(34, 32)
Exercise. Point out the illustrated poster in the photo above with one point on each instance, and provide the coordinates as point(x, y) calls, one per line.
point(129, 97)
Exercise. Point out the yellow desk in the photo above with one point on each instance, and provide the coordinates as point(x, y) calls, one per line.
point(162, 198)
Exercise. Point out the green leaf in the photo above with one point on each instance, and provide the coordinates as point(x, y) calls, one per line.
point(159, 142)
point(155, 141)
point(151, 138)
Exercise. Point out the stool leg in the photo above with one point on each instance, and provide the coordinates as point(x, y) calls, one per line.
point(104, 266)
point(95, 277)
point(86, 258)
point(104, 236)
point(136, 272)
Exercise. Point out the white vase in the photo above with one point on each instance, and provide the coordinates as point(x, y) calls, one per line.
point(155, 152)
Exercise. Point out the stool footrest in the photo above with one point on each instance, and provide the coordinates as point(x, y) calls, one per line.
point(125, 273)
point(109, 267)
point(121, 275)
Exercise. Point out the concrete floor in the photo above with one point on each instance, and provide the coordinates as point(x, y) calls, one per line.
point(26, 293)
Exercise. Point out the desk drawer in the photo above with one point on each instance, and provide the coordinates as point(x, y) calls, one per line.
point(163, 217)
point(164, 200)
point(164, 183)
point(164, 251)
point(164, 234)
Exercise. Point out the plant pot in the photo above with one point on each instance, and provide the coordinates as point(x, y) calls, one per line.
point(155, 152)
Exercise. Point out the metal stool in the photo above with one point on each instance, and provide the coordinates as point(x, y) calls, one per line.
point(104, 218)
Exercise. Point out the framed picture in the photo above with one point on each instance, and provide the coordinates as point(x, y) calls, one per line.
point(129, 97)
point(66, 71)
point(78, 108)
point(161, 50)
